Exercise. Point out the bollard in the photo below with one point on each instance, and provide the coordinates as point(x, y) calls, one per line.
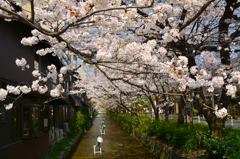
point(101, 124)
point(102, 131)
point(98, 146)
point(199, 119)
point(232, 121)
point(103, 118)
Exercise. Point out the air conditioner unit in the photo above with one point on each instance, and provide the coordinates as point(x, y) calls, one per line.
point(57, 135)
point(60, 133)
point(65, 127)
point(51, 134)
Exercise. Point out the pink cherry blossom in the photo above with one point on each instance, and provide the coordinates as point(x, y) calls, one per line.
point(8, 106)
point(231, 89)
point(42, 89)
point(21, 62)
point(25, 89)
point(221, 113)
point(14, 90)
point(3, 94)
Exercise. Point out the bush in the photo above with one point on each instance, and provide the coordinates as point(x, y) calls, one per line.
point(79, 122)
point(224, 148)
point(146, 127)
point(189, 137)
point(195, 136)
point(179, 136)
point(129, 120)
point(59, 148)
point(195, 112)
point(95, 114)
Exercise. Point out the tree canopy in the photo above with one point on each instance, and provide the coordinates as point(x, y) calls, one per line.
point(136, 48)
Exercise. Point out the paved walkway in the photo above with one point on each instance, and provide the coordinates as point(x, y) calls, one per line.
point(117, 143)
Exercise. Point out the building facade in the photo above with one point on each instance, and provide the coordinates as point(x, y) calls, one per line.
point(32, 127)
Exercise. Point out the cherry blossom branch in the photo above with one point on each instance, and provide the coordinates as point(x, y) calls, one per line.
point(18, 97)
point(129, 71)
point(133, 84)
point(204, 7)
point(50, 33)
point(206, 105)
point(105, 10)
point(52, 99)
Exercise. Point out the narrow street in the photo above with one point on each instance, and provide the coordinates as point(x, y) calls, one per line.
point(117, 143)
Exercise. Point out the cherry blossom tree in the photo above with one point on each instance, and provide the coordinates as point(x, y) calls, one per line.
point(186, 43)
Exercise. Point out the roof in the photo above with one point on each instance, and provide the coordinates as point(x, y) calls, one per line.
point(74, 101)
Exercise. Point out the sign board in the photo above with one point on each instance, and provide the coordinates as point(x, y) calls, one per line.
point(45, 122)
point(189, 105)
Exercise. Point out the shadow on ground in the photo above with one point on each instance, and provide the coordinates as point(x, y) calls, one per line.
point(117, 143)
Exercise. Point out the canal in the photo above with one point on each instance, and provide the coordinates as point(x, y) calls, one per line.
point(117, 143)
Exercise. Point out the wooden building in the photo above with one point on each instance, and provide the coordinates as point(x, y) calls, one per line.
point(31, 128)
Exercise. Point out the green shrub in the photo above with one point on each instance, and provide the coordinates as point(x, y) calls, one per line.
point(189, 137)
point(129, 120)
point(195, 112)
point(59, 148)
point(194, 137)
point(78, 123)
point(95, 114)
point(146, 127)
point(179, 136)
point(224, 148)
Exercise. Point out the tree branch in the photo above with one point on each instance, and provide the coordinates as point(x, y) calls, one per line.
point(204, 7)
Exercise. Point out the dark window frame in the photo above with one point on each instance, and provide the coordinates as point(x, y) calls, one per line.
point(47, 117)
point(65, 112)
point(3, 114)
point(16, 123)
point(31, 121)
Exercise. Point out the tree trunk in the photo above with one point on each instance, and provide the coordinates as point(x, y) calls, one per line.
point(139, 118)
point(156, 112)
point(180, 115)
point(166, 114)
point(216, 126)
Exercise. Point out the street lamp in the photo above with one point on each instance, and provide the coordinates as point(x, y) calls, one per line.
point(101, 125)
point(98, 146)
point(102, 131)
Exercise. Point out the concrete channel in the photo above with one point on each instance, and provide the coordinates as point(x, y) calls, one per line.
point(117, 143)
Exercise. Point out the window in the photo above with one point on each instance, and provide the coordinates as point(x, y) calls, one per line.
point(26, 121)
point(52, 116)
point(35, 120)
point(31, 121)
point(16, 123)
point(65, 113)
point(47, 117)
point(3, 114)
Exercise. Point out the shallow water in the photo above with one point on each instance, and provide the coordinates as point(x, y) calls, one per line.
point(117, 143)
